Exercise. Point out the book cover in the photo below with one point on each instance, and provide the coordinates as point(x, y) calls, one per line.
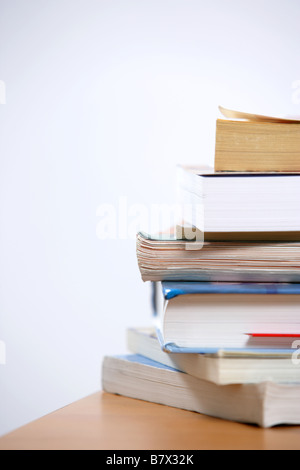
point(171, 289)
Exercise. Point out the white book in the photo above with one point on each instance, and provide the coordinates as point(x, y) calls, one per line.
point(240, 202)
point(223, 367)
point(265, 404)
point(206, 317)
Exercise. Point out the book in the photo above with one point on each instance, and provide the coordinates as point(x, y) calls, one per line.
point(216, 202)
point(162, 259)
point(254, 143)
point(265, 404)
point(223, 367)
point(204, 317)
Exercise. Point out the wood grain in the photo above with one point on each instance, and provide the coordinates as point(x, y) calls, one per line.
point(108, 422)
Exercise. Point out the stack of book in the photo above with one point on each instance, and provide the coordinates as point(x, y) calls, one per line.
point(226, 305)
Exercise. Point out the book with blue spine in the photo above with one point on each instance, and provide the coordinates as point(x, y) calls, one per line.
point(206, 317)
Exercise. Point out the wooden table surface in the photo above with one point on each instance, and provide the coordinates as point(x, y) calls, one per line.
point(108, 422)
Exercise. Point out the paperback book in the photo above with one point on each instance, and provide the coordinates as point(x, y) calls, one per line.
point(223, 367)
point(265, 404)
point(161, 259)
point(246, 203)
point(254, 143)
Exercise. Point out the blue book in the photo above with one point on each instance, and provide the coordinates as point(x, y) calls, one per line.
point(208, 317)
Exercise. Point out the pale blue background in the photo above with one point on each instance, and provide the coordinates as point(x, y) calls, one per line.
point(103, 99)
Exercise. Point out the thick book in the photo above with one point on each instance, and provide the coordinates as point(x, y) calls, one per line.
point(223, 367)
point(254, 143)
point(231, 261)
point(246, 203)
point(265, 404)
point(204, 317)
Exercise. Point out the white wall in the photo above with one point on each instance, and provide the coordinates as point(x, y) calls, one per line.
point(102, 99)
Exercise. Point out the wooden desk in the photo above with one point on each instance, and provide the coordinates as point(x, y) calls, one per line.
point(109, 422)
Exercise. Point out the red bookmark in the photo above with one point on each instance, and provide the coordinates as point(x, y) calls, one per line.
point(274, 335)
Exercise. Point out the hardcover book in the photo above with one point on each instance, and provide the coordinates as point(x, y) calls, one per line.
point(204, 317)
